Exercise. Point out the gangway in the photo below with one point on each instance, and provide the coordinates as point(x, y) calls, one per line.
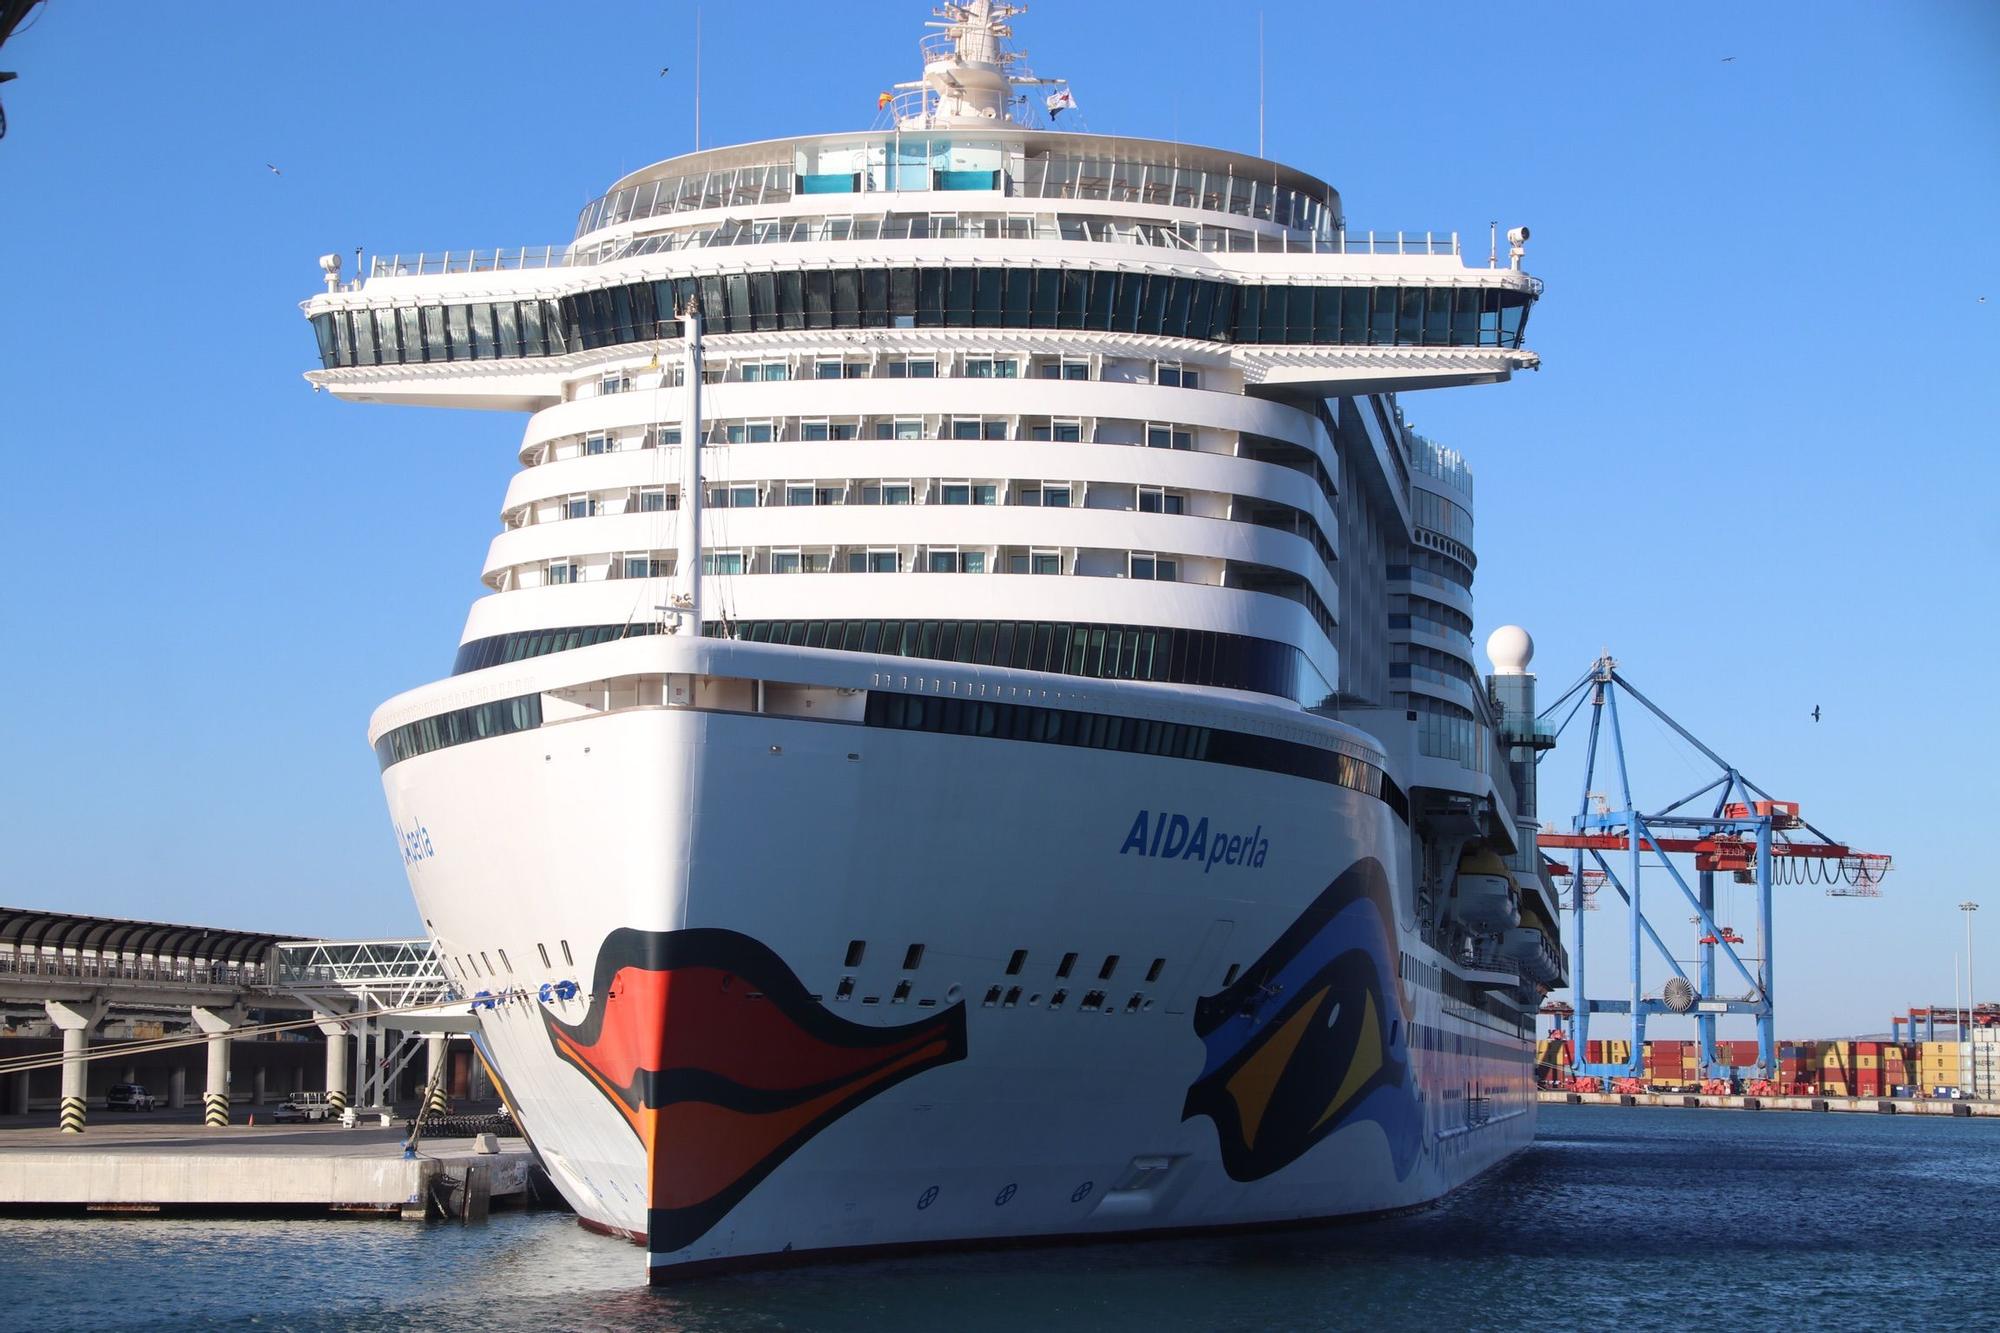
point(1747, 834)
point(392, 996)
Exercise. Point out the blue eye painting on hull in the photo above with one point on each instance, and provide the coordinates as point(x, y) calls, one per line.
point(1313, 1036)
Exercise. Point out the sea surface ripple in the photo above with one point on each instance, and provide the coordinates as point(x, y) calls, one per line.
point(1631, 1218)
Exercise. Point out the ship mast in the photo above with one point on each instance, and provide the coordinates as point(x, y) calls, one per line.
point(970, 74)
point(687, 604)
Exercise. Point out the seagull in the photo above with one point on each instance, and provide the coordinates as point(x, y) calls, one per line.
point(1727, 60)
point(663, 71)
point(1815, 712)
point(273, 170)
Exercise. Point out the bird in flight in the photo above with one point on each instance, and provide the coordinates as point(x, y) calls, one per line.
point(273, 170)
point(1815, 712)
point(663, 71)
point(1729, 60)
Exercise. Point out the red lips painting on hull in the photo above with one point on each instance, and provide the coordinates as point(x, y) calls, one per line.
point(725, 1065)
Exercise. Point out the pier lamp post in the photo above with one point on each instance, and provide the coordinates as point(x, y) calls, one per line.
point(1966, 909)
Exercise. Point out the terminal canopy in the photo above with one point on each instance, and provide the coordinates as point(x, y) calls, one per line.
point(25, 930)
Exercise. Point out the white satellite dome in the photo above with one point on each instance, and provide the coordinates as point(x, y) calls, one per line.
point(1510, 649)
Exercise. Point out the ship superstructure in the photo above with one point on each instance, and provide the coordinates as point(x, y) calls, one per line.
point(1079, 810)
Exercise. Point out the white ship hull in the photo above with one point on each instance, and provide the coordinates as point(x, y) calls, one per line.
point(681, 867)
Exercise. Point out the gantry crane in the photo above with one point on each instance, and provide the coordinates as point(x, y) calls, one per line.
point(1748, 834)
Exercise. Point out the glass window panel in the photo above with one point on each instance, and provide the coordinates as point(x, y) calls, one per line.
point(763, 302)
point(1045, 309)
point(819, 300)
point(791, 300)
point(875, 298)
point(846, 298)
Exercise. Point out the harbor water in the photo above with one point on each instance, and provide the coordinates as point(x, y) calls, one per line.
point(1648, 1218)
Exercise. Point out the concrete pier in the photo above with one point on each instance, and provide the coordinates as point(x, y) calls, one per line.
point(155, 1168)
point(1701, 1101)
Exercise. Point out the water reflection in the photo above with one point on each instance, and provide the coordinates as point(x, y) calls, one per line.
point(1615, 1217)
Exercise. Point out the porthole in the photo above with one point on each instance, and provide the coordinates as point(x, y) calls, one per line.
point(901, 993)
point(913, 958)
point(1110, 966)
point(855, 949)
point(1013, 998)
point(1132, 1005)
point(1056, 1000)
point(1017, 962)
point(1034, 999)
point(1229, 977)
point(992, 997)
point(1153, 972)
point(954, 993)
point(845, 989)
point(1063, 968)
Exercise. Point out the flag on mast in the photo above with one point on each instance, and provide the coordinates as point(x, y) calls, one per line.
point(1061, 102)
point(883, 99)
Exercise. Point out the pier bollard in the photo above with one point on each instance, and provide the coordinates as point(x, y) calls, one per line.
point(72, 1115)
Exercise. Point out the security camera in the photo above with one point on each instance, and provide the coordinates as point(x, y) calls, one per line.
point(1517, 236)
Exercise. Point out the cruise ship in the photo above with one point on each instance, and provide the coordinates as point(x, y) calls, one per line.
point(971, 732)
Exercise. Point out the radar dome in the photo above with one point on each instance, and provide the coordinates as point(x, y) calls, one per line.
point(1510, 650)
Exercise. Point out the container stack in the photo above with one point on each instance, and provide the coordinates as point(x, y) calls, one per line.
point(1836, 1069)
point(1899, 1070)
point(1798, 1066)
point(1609, 1052)
point(1984, 1072)
point(1672, 1064)
point(1942, 1064)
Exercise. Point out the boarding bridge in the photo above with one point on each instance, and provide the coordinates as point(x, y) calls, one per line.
point(134, 992)
point(390, 997)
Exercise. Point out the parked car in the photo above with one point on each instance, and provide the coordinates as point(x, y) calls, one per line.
point(304, 1107)
point(130, 1097)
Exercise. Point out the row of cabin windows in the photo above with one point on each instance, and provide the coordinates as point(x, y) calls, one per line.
point(953, 715)
point(469, 963)
point(1144, 565)
point(1127, 652)
point(814, 430)
point(797, 495)
point(1105, 300)
point(1061, 430)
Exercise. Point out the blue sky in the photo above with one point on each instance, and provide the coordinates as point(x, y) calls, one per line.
point(1758, 465)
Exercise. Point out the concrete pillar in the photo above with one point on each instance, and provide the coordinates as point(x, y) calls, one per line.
point(217, 1023)
point(435, 1067)
point(298, 1078)
point(336, 1065)
point(19, 1103)
point(75, 1079)
point(75, 1019)
point(257, 1087)
point(177, 1087)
